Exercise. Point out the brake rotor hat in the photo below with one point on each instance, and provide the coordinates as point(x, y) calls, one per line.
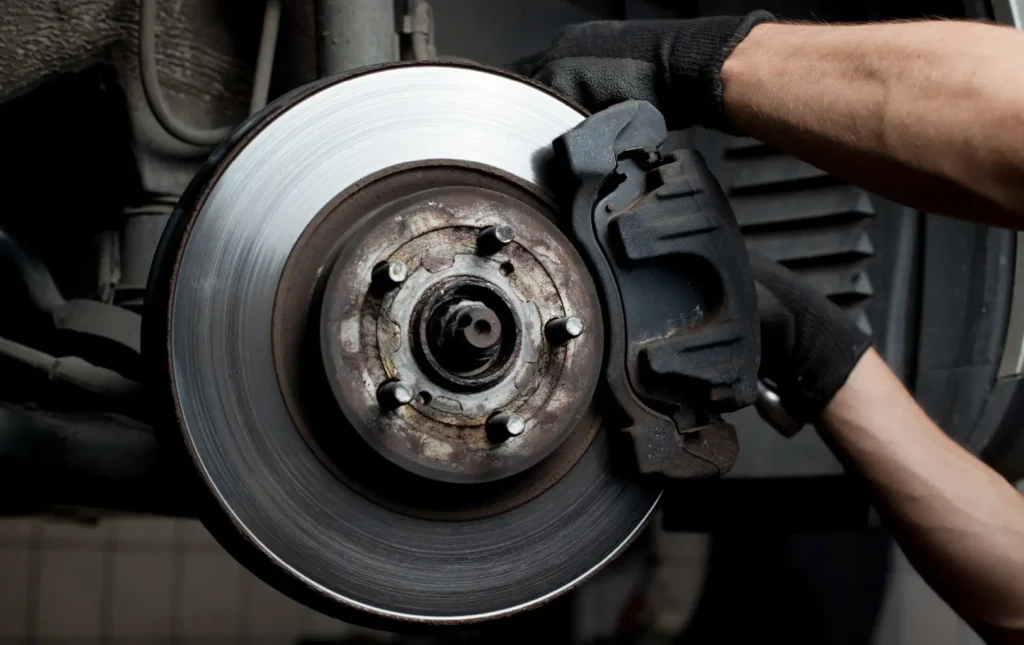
point(382, 352)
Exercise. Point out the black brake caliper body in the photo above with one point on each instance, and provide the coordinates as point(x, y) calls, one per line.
point(680, 310)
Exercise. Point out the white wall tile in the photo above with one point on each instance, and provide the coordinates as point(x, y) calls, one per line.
point(315, 624)
point(17, 530)
point(195, 536)
point(70, 533)
point(15, 571)
point(143, 531)
point(269, 614)
point(210, 591)
point(70, 594)
point(141, 599)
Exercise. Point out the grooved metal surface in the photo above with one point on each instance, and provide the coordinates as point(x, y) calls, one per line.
point(238, 431)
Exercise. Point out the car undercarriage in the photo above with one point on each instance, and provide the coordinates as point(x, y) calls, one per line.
point(328, 277)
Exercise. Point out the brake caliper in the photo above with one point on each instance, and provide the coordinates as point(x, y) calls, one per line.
point(659, 235)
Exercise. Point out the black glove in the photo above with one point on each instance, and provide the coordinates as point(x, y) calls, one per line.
point(674, 64)
point(808, 345)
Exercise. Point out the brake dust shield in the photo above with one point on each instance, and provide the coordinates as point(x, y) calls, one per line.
point(382, 352)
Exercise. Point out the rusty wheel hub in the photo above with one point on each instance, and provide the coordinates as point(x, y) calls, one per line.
point(410, 322)
point(463, 330)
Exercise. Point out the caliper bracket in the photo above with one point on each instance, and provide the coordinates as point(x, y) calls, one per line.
point(680, 310)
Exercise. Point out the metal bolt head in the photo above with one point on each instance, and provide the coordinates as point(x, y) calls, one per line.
point(493, 238)
point(505, 425)
point(393, 394)
point(562, 330)
point(390, 274)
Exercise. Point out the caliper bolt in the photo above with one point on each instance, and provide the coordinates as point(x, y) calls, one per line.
point(493, 238)
point(390, 274)
point(393, 394)
point(505, 425)
point(562, 330)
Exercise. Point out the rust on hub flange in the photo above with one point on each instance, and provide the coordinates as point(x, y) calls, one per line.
point(464, 331)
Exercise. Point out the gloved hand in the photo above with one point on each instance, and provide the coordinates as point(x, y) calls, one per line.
point(808, 345)
point(674, 64)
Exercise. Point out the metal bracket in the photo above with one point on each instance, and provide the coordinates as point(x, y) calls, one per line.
point(418, 28)
point(679, 302)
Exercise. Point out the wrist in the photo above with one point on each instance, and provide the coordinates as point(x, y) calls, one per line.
point(744, 27)
point(743, 72)
point(869, 381)
point(809, 346)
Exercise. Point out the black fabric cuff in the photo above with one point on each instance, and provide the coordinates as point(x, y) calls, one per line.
point(830, 379)
point(714, 116)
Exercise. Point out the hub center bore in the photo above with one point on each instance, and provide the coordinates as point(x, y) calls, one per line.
point(467, 333)
point(470, 335)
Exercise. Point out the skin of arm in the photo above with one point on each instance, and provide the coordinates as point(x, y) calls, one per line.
point(929, 114)
point(957, 520)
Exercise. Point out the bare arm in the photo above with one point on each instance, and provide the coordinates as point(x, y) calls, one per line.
point(960, 523)
point(930, 114)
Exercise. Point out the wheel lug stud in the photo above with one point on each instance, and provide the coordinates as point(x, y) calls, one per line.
point(389, 275)
point(502, 426)
point(393, 394)
point(493, 238)
point(562, 330)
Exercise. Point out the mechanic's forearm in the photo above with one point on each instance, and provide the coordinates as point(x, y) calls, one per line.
point(959, 522)
point(930, 114)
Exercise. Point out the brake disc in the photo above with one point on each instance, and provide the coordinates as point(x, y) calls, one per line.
point(382, 352)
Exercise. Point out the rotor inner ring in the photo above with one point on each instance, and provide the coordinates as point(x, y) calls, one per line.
point(391, 329)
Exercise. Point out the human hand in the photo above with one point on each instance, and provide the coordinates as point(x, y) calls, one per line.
point(674, 64)
point(808, 345)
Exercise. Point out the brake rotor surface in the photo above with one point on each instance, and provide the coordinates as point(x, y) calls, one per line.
point(304, 205)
